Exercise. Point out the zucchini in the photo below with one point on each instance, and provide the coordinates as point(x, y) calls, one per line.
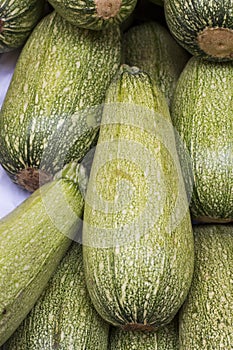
point(204, 28)
point(202, 115)
point(63, 317)
point(138, 243)
point(17, 20)
point(94, 14)
point(206, 317)
point(151, 47)
point(33, 239)
point(54, 99)
point(165, 338)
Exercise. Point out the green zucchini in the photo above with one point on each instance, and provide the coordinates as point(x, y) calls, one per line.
point(94, 14)
point(204, 28)
point(137, 234)
point(206, 317)
point(63, 317)
point(151, 47)
point(202, 114)
point(17, 20)
point(165, 338)
point(54, 98)
point(33, 239)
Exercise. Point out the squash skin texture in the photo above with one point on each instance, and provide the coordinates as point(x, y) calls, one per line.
point(201, 112)
point(206, 317)
point(55, 96)
point(138, 266)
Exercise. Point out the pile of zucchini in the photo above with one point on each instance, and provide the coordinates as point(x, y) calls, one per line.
point(118, 122)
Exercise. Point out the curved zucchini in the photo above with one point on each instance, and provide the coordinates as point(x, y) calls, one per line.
point(63, 317)
point(137, 234)
point(206, 317)
point(33, 239)
point(54, 98)
point(202, 114)
point(17, 20)
point(151, 47)
point(94, 14)
point(165, 338)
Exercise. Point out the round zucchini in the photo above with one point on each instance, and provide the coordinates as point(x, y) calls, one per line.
point(204, 28)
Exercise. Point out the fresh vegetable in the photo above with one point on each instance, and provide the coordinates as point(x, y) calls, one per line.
point(52, 109)
point(206, 318)
point(202, 114)
point(63, 317)
point(17, 20)
point(33, 239)
point(94, 14)
point(137, 234)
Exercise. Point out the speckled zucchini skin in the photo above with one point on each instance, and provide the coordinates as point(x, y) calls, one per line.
point(165, 338)
point(138, 256)
point(33, 239)
point(63, 317)
point(17, 20)
point(94, 14)
point(202, 114)
point(187, 19)
point(52, 110)
point(151, 47)
point(206, 317)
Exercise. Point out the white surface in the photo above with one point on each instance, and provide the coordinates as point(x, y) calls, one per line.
point(10, 194)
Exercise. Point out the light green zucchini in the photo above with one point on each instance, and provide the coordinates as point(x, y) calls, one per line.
point(94, 14)
point(165, 338)
point(151, 47)
point(137, 234)
point(52, 109)
point(63, 317)
point(206, 317)
point(17, 20)
point(202, 114)
point(33, 239)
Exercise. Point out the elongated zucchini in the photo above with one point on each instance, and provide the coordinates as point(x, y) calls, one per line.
point(165, 338)
point(63, 317)
point(206, 317)
point(94, 14)
point(202, 114)
point(151, 47)
point(52, 108)
point(137, 234)
point(33, 239)
point(17, 20)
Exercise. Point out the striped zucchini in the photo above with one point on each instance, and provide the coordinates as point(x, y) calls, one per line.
point(63, 317)
point(94, 14)
point(150, 46)
point(206, 317)
point(137, 234)
point(52, 109)
point(204, 28)
point(33, 239)
point(165, 338)
point(17, 20)
point(202, 114)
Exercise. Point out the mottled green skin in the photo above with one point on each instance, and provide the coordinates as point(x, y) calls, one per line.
point(63, 317)
point(138, 257)
point(202, 114)
point(166, 338)
point(33, 239)
point(53, 101)
point(84, 13)
point(150, 47)
point(187, 18)
point(18, 17)
point(206, 318)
